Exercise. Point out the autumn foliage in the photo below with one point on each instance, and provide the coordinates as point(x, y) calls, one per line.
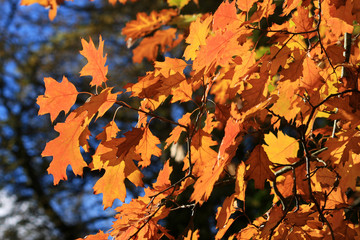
point(246, 75)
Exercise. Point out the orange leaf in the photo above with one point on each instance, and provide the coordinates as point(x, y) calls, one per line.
point(149, 47)
point(110, 132)
point(65, 149)
point(112, 184)
point(285, 184)
point(267, 7)
point(198, 32)
point(204, 159)
point(223, 216)
point(99, 236)
point(240, 184)
point(290, 5)
point(205, 183)
point(140, 216)
point(99, 104)
point(295, 70)
point(169, 67)
point(182, 93)
point(96, 62)
point(175, 133)
point(202, 155)
point(303, 22)
point(219, 50)
point(245, 5)
point(231, 131)
point(224, 15)
point(119, 165)
point(163, 179)
point(147, 146)
point(311, 80)
point(336, 199)
point(145, 24)
point(281, 58)
point(52, 4)
point(339, 18)
point(249, 232)
point(57, 97)
point(259, 169)
point(192, 235)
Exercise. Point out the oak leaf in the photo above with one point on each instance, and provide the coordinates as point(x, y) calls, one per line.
point(219, 50)
point(143, 215)
point(192, 235)
point(99, 236)
point(98, 104)
point(197, 36)
point(52, 4)
point(96, 62)
point(169, 67)
point(163, 179)
point(223, 216)
point(267, 8)
point(57, 97)
point(204, 159)
point(147, 146)
point(145, 24)
point(110, 132)
point(311, 80)
point(112, 184)
point(259, 169)
point(175, 133)
point(182, 93)
point(339, 18)
point(232, 129)
point(149, 47)
point(65, 149)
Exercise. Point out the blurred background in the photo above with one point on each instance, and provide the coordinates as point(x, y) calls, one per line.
point(31, 48)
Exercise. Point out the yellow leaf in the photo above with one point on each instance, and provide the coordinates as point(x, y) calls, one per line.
point(280, 148)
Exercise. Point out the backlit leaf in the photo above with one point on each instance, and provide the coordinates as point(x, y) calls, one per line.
point(259, 169)
point(279, 149)
point(198, 32)
point(145, 24)
point(69, 152)
point(96, 62)
point(178, 3)
point(57, 97)
point(147, 146)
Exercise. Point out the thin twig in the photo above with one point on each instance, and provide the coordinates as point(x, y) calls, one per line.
point(123, 104)
point(308, 177)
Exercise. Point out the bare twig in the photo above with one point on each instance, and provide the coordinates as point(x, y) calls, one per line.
point(123, 104)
